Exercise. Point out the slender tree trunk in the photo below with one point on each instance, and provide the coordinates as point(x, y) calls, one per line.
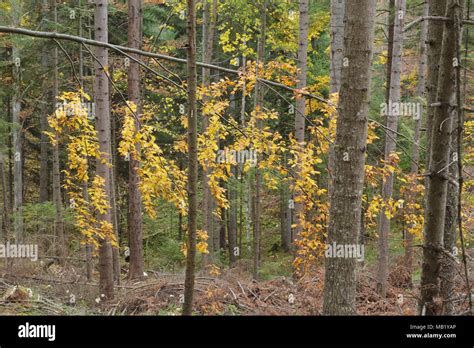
point(17, 133)
point(112, 171)
point(391, 27)
point(421, 89)
point(135, 199)
point(438, 170)
point(350, 151)
point(113, 210)
point(337, 43)
point(208, 27)
point(6, 214)
point(6, 202)
point(44, 173)
point(448, 266)
point(390, 145)
point(232, 230)
point(88, 247)
point(243, 179)
point(453, 203)
point(223, 228)
point(101, 92)
point(57, 198)
point(192, 160)
point(301, 110)
point(258, 179)
point(435, 32)
point(246, 194)
point(285, 215)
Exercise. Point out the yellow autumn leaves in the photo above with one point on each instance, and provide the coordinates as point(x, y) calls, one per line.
point(87, 198)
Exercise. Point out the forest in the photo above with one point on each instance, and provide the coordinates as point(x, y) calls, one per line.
point(236, 157)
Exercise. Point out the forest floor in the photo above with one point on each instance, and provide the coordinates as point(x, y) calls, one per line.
point(63, 291)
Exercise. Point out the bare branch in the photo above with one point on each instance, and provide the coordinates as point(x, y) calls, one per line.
point(121, 49)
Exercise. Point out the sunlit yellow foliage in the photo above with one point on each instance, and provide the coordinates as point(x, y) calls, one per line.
point(159, 177)
point(71, 126)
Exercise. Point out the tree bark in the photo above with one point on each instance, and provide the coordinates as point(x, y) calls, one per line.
point(452, 224)
point(17, 133)
point(44, 173)
point(337, 43)
point(421, 91)
point(439, 159)
point(285, 215)
point(6, 214)
point(258, 179)
point(208, 28)
point(390, 145)
point(232, 230)
point(101, 92)
point(350, 148)
point(6, 202)
point(135, 200)
point(56, 171)
point(435, 32)
point(448, 266)
point(192, 159)
point(391, 27)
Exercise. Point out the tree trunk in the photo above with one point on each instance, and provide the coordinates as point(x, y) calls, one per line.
point(390, 144)
point(222, 228)
point(88, 247)
point(258, 178)
point(17, 133)
point(337, 43)
point(391, 27)
point(135, 200)
point(435, 32)
point(301, 110)
point(350, 148)
point(448, 266)
point(439, 159)
point(192, 160)
point(6, 214)
point(57, 198)
point(232, 230)
point(421, 91)
point(285, 216)
point(44, 173)
point(101, 92)
point(112, 172)
point(453, 203)
point(208, 27)
point(6, 202)
point(246, 195)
